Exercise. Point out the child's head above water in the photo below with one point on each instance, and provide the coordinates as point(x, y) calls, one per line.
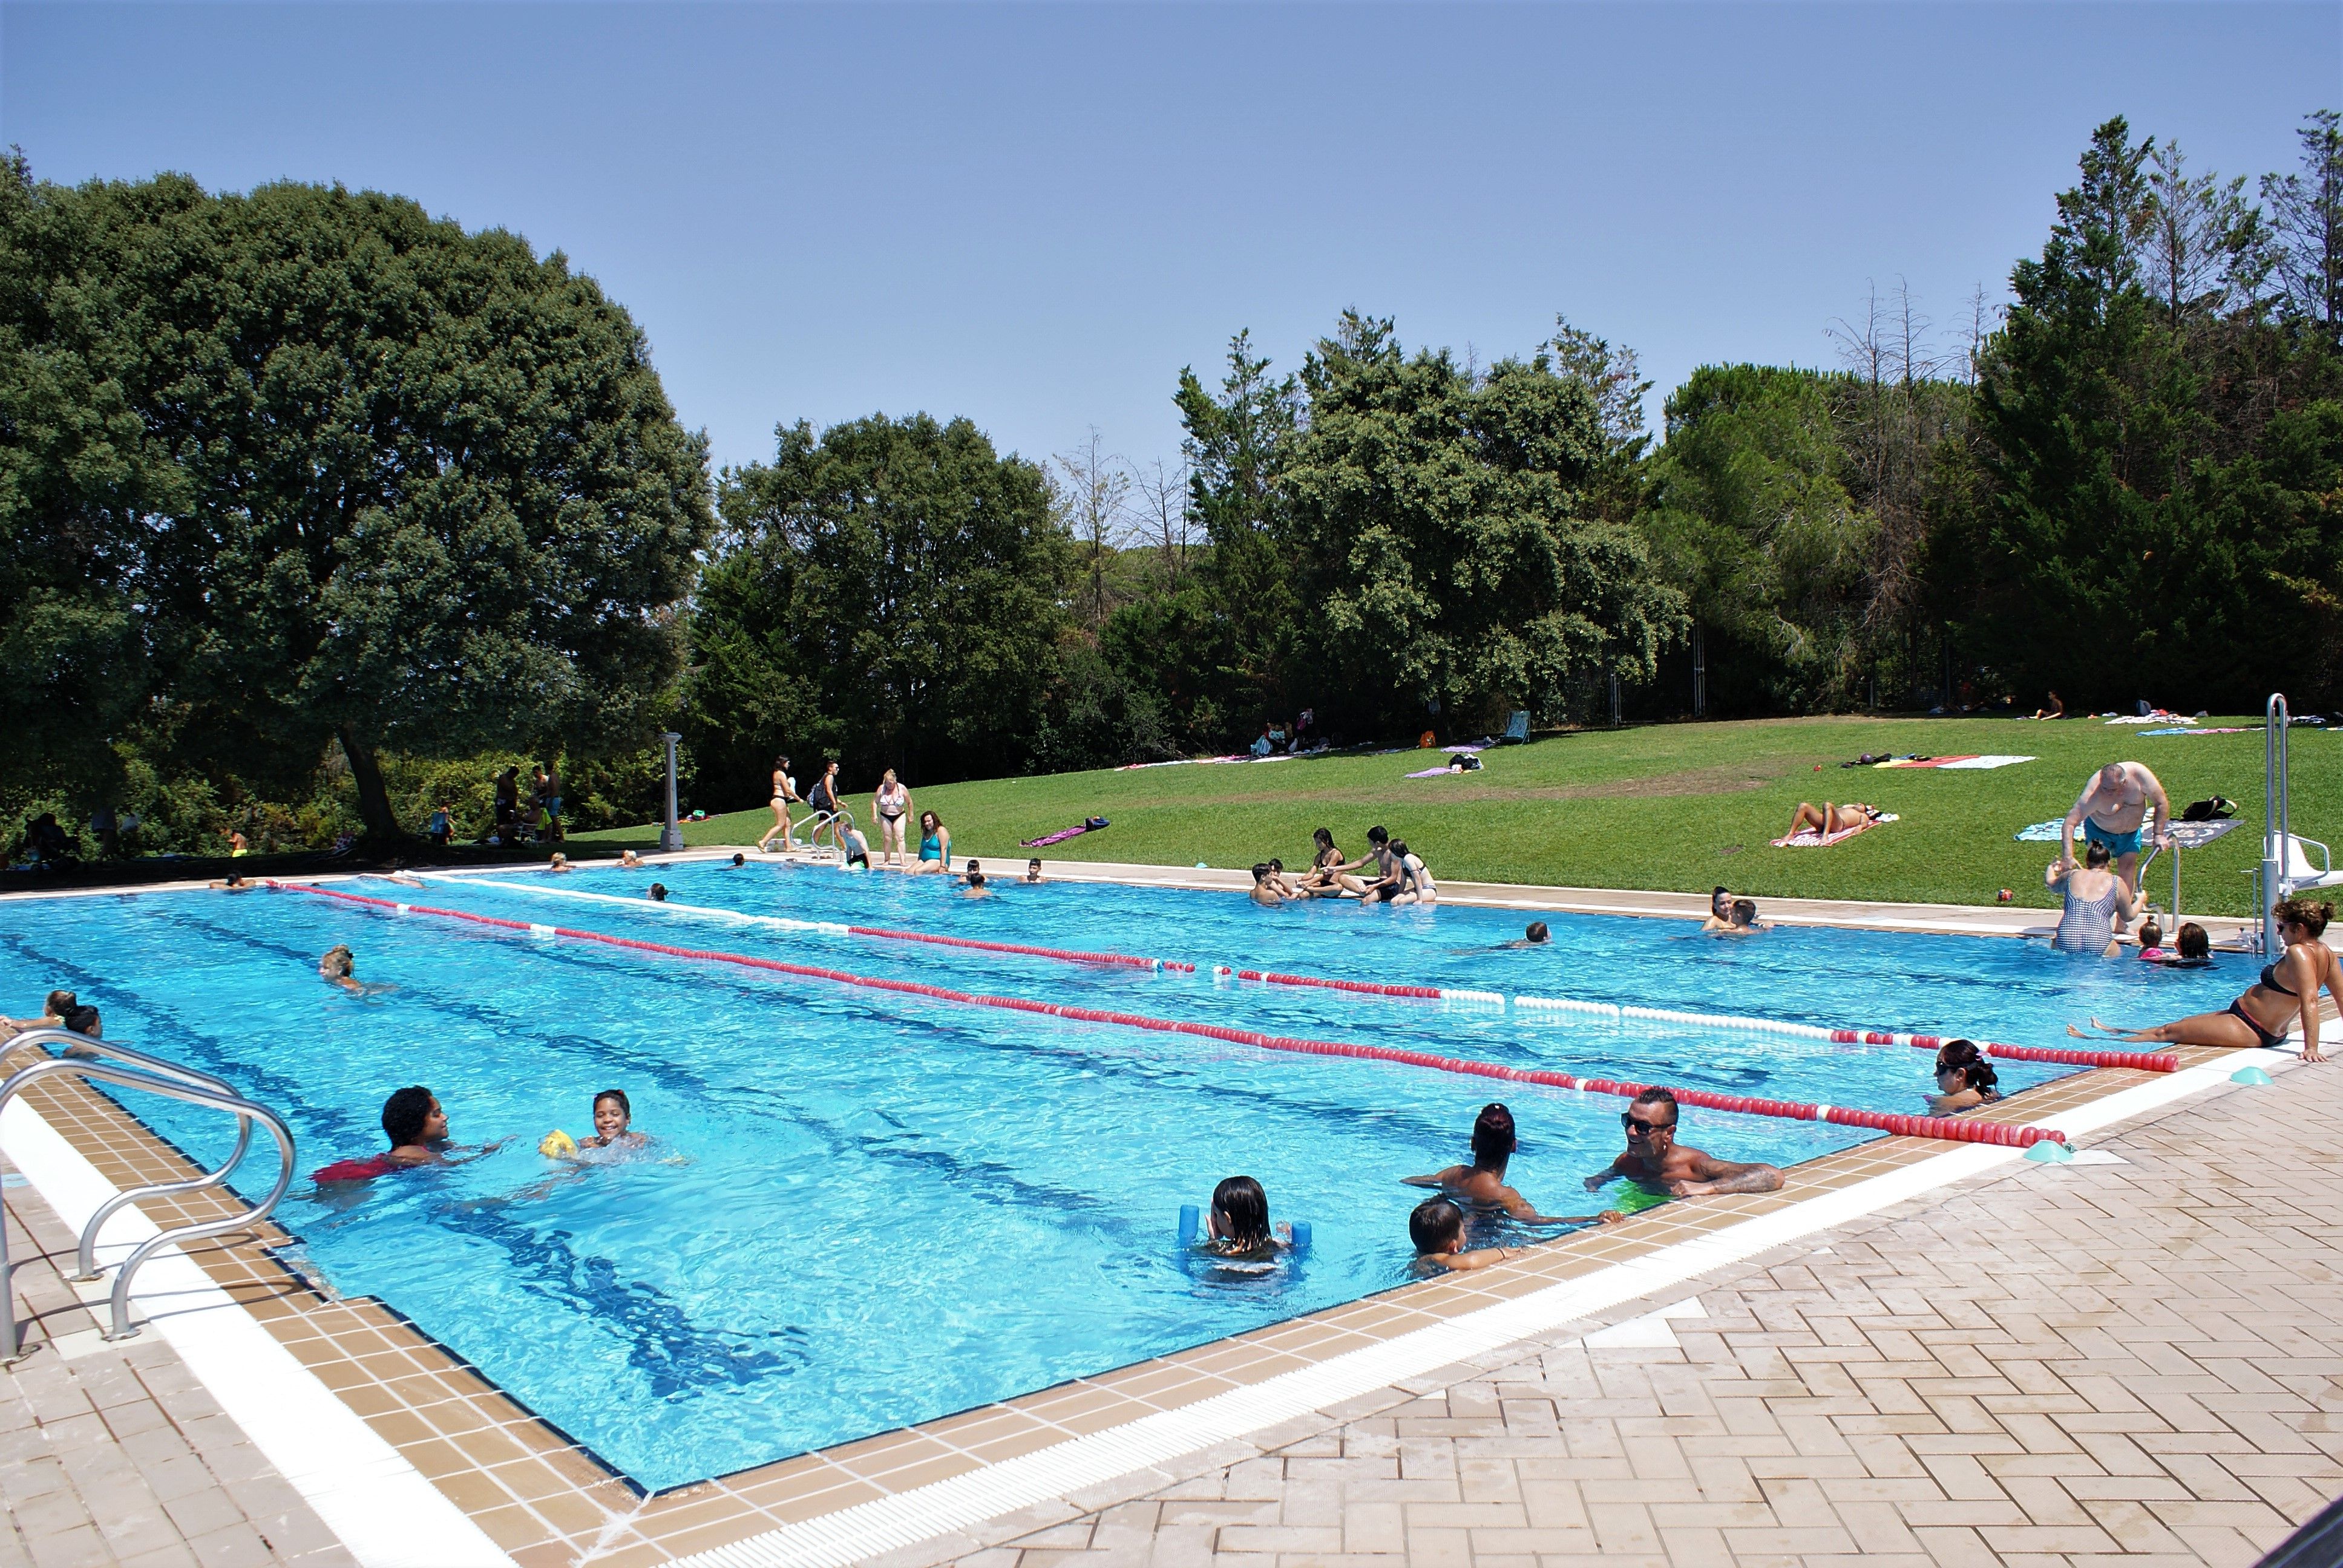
point(2194, 943)
point(1437, 1225)
point(2151, 935)
point(1537, 932)
point(612, 1114)
point(1241, 1212)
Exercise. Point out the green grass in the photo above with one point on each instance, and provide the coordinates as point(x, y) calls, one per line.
point(1673, 807)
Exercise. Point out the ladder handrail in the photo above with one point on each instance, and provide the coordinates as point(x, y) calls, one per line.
point(178, 1086)
point(2277, 826)
point(83, 1045)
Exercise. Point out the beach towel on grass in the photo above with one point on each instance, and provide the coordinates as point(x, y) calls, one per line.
point(1808, 838)
point(1990, 761)
point(1063, 834)
point(1927, 761)
point(2049, 832)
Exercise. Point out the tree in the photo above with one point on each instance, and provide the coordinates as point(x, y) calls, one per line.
point(1236, 448)
point(1440, 542)
point(346, 472)
point(897, 588)
point(2306, 214)
point(1751, 519)
point(2204, 253)
point(1095, 496)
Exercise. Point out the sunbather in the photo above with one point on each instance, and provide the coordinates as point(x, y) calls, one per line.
point(1829, 820)
point(2287, 994)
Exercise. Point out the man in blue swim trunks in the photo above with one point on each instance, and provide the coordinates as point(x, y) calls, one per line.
point(2113, 809)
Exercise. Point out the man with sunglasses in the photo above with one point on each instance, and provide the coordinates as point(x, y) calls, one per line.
point(1656, 1159)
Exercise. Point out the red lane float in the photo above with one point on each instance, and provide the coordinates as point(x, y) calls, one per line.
point(1951, 1129)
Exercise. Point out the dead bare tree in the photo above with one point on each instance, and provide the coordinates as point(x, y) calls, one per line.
point(1093, 489)
point(1163, 512)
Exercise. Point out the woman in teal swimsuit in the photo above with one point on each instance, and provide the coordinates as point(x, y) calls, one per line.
point(935, 844)
point(2287, 991)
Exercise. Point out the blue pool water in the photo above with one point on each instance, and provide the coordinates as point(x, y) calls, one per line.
point(867, 1210)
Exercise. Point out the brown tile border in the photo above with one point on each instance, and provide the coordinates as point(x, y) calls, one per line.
point(545, 1499)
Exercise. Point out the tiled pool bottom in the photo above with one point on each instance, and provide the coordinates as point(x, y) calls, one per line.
point(547, 1500)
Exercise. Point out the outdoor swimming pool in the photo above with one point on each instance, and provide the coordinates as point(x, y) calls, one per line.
point(867, 1210)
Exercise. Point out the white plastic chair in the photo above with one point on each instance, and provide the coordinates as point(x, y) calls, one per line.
point(2298, 874)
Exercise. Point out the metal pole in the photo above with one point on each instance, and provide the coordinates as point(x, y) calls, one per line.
point(1614, 702)
point(671, 834)
point(2276, 827)
point(1699, 674)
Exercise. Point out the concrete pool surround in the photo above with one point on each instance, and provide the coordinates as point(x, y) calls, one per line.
point(471, 1476)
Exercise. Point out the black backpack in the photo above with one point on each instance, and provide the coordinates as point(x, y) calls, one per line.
point(2213, 810)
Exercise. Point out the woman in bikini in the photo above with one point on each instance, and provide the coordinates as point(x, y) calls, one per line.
point(1326, 878)
point(1827, 818)
point(890, 803)
point(785, 790)
point(2287, 991)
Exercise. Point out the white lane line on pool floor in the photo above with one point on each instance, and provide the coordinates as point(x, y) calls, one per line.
point(964, 1502)
point(386, 1512)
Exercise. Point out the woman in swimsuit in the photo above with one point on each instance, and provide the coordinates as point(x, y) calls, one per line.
point(1827, 818)
point(890, 803)
point(2287, 991)
point(1326, 878)
point(935, 844)
point(785, 790)
point(2097, 900)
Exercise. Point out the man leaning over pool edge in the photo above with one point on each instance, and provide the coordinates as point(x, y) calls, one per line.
point(1655, 1158)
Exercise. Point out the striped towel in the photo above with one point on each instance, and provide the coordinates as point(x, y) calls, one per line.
point(1808, 838)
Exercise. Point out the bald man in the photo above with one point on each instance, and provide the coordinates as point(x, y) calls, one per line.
point(2113, 809)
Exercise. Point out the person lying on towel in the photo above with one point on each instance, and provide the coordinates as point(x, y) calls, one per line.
point(1828, 819)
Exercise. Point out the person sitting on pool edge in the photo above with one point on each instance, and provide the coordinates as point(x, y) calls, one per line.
point(1655, 1158)
point(1964, 1080)
point(1482, 1182)
point(1436, 1226)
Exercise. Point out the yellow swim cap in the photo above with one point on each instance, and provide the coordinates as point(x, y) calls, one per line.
point(558, 1145)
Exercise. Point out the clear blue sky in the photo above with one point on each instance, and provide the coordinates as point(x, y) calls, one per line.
point(1034, 215)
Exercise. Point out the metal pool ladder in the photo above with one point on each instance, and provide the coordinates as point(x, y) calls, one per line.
point(148, 1075)
point(2277, 830)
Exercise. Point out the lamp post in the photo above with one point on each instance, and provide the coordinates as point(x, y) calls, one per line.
point(671, 832)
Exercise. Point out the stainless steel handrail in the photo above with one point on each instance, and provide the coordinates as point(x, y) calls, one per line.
point(180, 1084)
point(83, 1045)
point(2277, 827)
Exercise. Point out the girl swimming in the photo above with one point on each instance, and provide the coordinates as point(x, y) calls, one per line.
point(613, 1118)
point(1238, 1225)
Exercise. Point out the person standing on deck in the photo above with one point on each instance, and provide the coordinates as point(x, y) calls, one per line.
point(2113, 809)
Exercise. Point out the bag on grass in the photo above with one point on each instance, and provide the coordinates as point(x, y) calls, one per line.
point(2217, 808)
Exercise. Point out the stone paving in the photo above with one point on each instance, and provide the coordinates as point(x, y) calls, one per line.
point(115, 1454)
point(2078, 1364)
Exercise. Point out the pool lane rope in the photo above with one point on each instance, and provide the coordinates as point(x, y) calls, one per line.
point(2144, 1061)
point(1951, 1129)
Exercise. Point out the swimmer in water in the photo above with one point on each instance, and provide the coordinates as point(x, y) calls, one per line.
point(659, 893)
point(738, 859)
point(336, 966)
point(1654, 1157)
point(1238, 1223)
point(1033, 870)
point(1437, 1229)
point(560, 862)
point(631, 861)
point(975, 879)
point(1964, 1080)
point(1265, 891)
point(1537, 936)
point(613, 1123)
point(418, 1130)
point(1740, 920)
point(233, 882)
point(1482, 1182)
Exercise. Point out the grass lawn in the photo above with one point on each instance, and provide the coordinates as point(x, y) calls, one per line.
point(1679, 807)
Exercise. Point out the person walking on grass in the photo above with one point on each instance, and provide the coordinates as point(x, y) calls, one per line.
point(2114, 810)
point(785, 790)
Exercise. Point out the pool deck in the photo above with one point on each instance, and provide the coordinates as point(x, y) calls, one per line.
point(1874, 1361)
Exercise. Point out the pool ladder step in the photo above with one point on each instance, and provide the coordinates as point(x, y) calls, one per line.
point(101, 1061)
